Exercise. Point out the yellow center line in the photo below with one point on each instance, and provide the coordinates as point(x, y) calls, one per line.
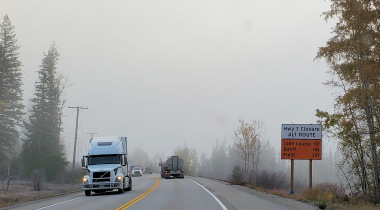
point(132, 202)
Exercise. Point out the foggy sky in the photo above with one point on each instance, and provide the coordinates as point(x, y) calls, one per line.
point(167, 72)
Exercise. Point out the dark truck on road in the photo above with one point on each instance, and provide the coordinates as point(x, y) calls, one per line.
point(172, 168)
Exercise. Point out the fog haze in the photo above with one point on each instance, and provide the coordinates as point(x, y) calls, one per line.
point(164, 73)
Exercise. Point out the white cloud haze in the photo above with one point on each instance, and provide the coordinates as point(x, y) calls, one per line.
point(165, 72)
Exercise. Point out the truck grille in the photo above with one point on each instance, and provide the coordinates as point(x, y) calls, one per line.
point(103, 176)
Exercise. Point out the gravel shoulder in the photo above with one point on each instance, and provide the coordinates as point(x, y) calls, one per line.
point(239, 197)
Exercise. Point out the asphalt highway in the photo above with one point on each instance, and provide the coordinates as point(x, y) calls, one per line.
point(152, 192)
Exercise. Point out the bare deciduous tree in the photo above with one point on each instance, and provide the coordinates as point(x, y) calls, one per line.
point(245, 140)
point(190, 159)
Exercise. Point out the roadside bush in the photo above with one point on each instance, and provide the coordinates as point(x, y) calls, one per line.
point(331, 191)
point(237, 176)
point(324, 192)
point(322, 205)
point(37, 177)
point(272, 180)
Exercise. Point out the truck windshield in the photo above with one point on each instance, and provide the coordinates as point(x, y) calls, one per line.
point(103, 159)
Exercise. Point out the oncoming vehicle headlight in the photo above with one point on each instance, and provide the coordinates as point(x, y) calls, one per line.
point(119, 178)
point(86, 178)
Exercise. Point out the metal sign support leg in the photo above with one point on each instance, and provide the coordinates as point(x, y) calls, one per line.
point(291, 175)
point(310, 174)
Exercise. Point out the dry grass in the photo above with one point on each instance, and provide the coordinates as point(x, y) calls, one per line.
point(323, 194)
point(22, 191)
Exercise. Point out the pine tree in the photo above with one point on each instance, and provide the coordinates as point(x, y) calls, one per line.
point(10, 89)
point(42, 148)
point(219, 160)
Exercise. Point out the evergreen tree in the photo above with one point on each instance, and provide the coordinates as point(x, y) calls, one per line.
point(219, 161)
point(42, 148)
point(10, 89)
point(204, 166)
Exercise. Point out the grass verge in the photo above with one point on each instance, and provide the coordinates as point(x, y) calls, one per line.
point(322, 196)
point(21, 192)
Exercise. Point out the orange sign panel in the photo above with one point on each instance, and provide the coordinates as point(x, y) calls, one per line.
point(301, 149)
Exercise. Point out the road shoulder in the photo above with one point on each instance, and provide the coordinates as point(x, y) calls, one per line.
point(239, 197)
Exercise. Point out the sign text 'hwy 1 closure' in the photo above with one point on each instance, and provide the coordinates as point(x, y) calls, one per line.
point(301, 141)
point(301, 131)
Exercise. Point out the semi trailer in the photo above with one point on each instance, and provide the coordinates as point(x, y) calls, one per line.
point(172, 168)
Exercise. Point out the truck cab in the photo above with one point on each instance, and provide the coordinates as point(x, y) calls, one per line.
point(106, 165)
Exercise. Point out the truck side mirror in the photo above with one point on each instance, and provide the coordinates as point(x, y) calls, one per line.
point(123, 160)
point(84, 162)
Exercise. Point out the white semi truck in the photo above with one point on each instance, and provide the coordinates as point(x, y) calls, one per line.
point(106, 165)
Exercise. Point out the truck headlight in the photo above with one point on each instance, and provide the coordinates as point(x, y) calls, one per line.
point(86, 178)
point(119, 178)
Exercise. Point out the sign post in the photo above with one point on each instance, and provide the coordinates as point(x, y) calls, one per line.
point(301, 142)
point(310, 173)
point(291, 175)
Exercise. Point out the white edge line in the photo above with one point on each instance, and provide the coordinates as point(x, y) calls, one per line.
point(217, 200)
point(59, 203)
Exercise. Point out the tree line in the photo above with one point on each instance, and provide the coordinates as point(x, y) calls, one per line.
point(249, 158)
point(39, 127)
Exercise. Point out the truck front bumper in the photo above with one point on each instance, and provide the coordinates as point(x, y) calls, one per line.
point(102, 186)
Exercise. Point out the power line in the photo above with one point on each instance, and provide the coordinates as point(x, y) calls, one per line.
point(88, 124)
point(46, 132)
point(28, 75)
point(76, 134)
point(92, 134)
point(34, 81)
point(84, 146)
point(80, 140)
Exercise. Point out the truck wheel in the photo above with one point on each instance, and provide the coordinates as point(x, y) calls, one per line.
point(129, 188)
point(87, 192)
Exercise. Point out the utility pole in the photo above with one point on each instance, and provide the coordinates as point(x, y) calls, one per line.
point(92, 134)
point(9, 168)
point(76, 134)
